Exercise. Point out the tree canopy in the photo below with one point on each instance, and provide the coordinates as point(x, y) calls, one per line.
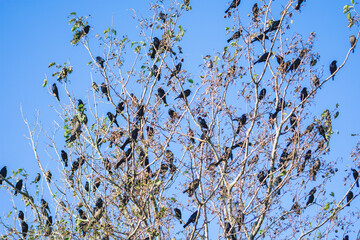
point(156, 151)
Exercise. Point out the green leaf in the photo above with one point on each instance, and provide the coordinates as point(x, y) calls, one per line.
point(106, 30)
point(327, 206)
point(9, 214)
point(352, 2)
point(73, 13)
point(336, 115)
point(332, 194)
point(348, 16)
point(45, 83)
point(190, 81)
point(346, 8)
point(51, 64)
point(260, 232)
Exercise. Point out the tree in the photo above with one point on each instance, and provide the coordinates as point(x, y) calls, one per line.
point(237, 150)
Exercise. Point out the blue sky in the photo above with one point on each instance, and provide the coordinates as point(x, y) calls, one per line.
point(35, 33)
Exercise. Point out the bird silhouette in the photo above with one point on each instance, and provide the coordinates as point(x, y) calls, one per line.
point(55, 91)
point(191, 219)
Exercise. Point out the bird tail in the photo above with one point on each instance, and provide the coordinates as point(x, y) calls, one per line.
point(357, 183)
point(227, 10)
point(186, 224)
point(229, 40)
point(256, 62)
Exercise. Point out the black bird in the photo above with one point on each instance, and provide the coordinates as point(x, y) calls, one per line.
point(21, 215)
point(349, 197)
point(242, 121)
point(308, 155)
point(112, 118)
point(230, 231)
point(173, 115)
point(191, 219)
point(236, 35)
point(176, 71)
point(87, 186)
point(356, 176)
point(100, 61)
point(169, 156)
point(48, 176)
point(104, 90)
point(353, 42)
point(99, 203)
point(255, 11)
point(178, 214)
point(259, 38)
point(202, 123)
point(263, 57)
point(283, 65)
point(293, 121)
point(37, 178)
point(150, 131)
point(309, 128)
point(154, 47)
point(295, 65)
point(156, 72)
point(162, 16)
point(298, 5)
point(184, 94)
point(322, 132)
point(133, 137)
point(274, 26)
point(261, 177)
point(120, 108)
point(81, 105)
point(96, 184)
point(314, 169)
point(296, 208)
point(303, 95)
point(64, 157)
point(86, 29)
point(18, 186)
point(192, 187)
point(281, 105)
point(310, 199)
point(333, 68)
point(3, 173)
point(24, 229)
point(55, 91)
point(44, 206)
point(162, 95)
point(233, 4)
point(346, 237)
point(262, 94)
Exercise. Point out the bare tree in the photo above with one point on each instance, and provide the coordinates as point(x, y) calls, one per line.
point(237, 153)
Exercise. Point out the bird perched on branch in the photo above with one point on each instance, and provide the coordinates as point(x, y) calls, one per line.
point(75, 132)
point(55, 91)
point(104, 90)
point(100, 61)
point(112, 118)
point(3, 173)
point(236, 35)
point(255, 11)
point(202, 123)
point(18, 186)
point(48, 176)
point(192, 187)
point(64, 157)
point(353, 42)
point(162, 95)
point(259, 38)
point(233, 4)
point(178, 214)
point(349, 197)
point(264, 57)
point(191, 219)
point(333, 68)
point(356, 176)
point(298, 5)
point(184, 95)
point(274, 26)
point(303, 95)
point(154, 47)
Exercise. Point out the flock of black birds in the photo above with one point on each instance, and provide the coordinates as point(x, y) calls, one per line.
point(156, 46)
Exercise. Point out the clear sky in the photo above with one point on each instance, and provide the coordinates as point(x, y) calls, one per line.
point(35, 33)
